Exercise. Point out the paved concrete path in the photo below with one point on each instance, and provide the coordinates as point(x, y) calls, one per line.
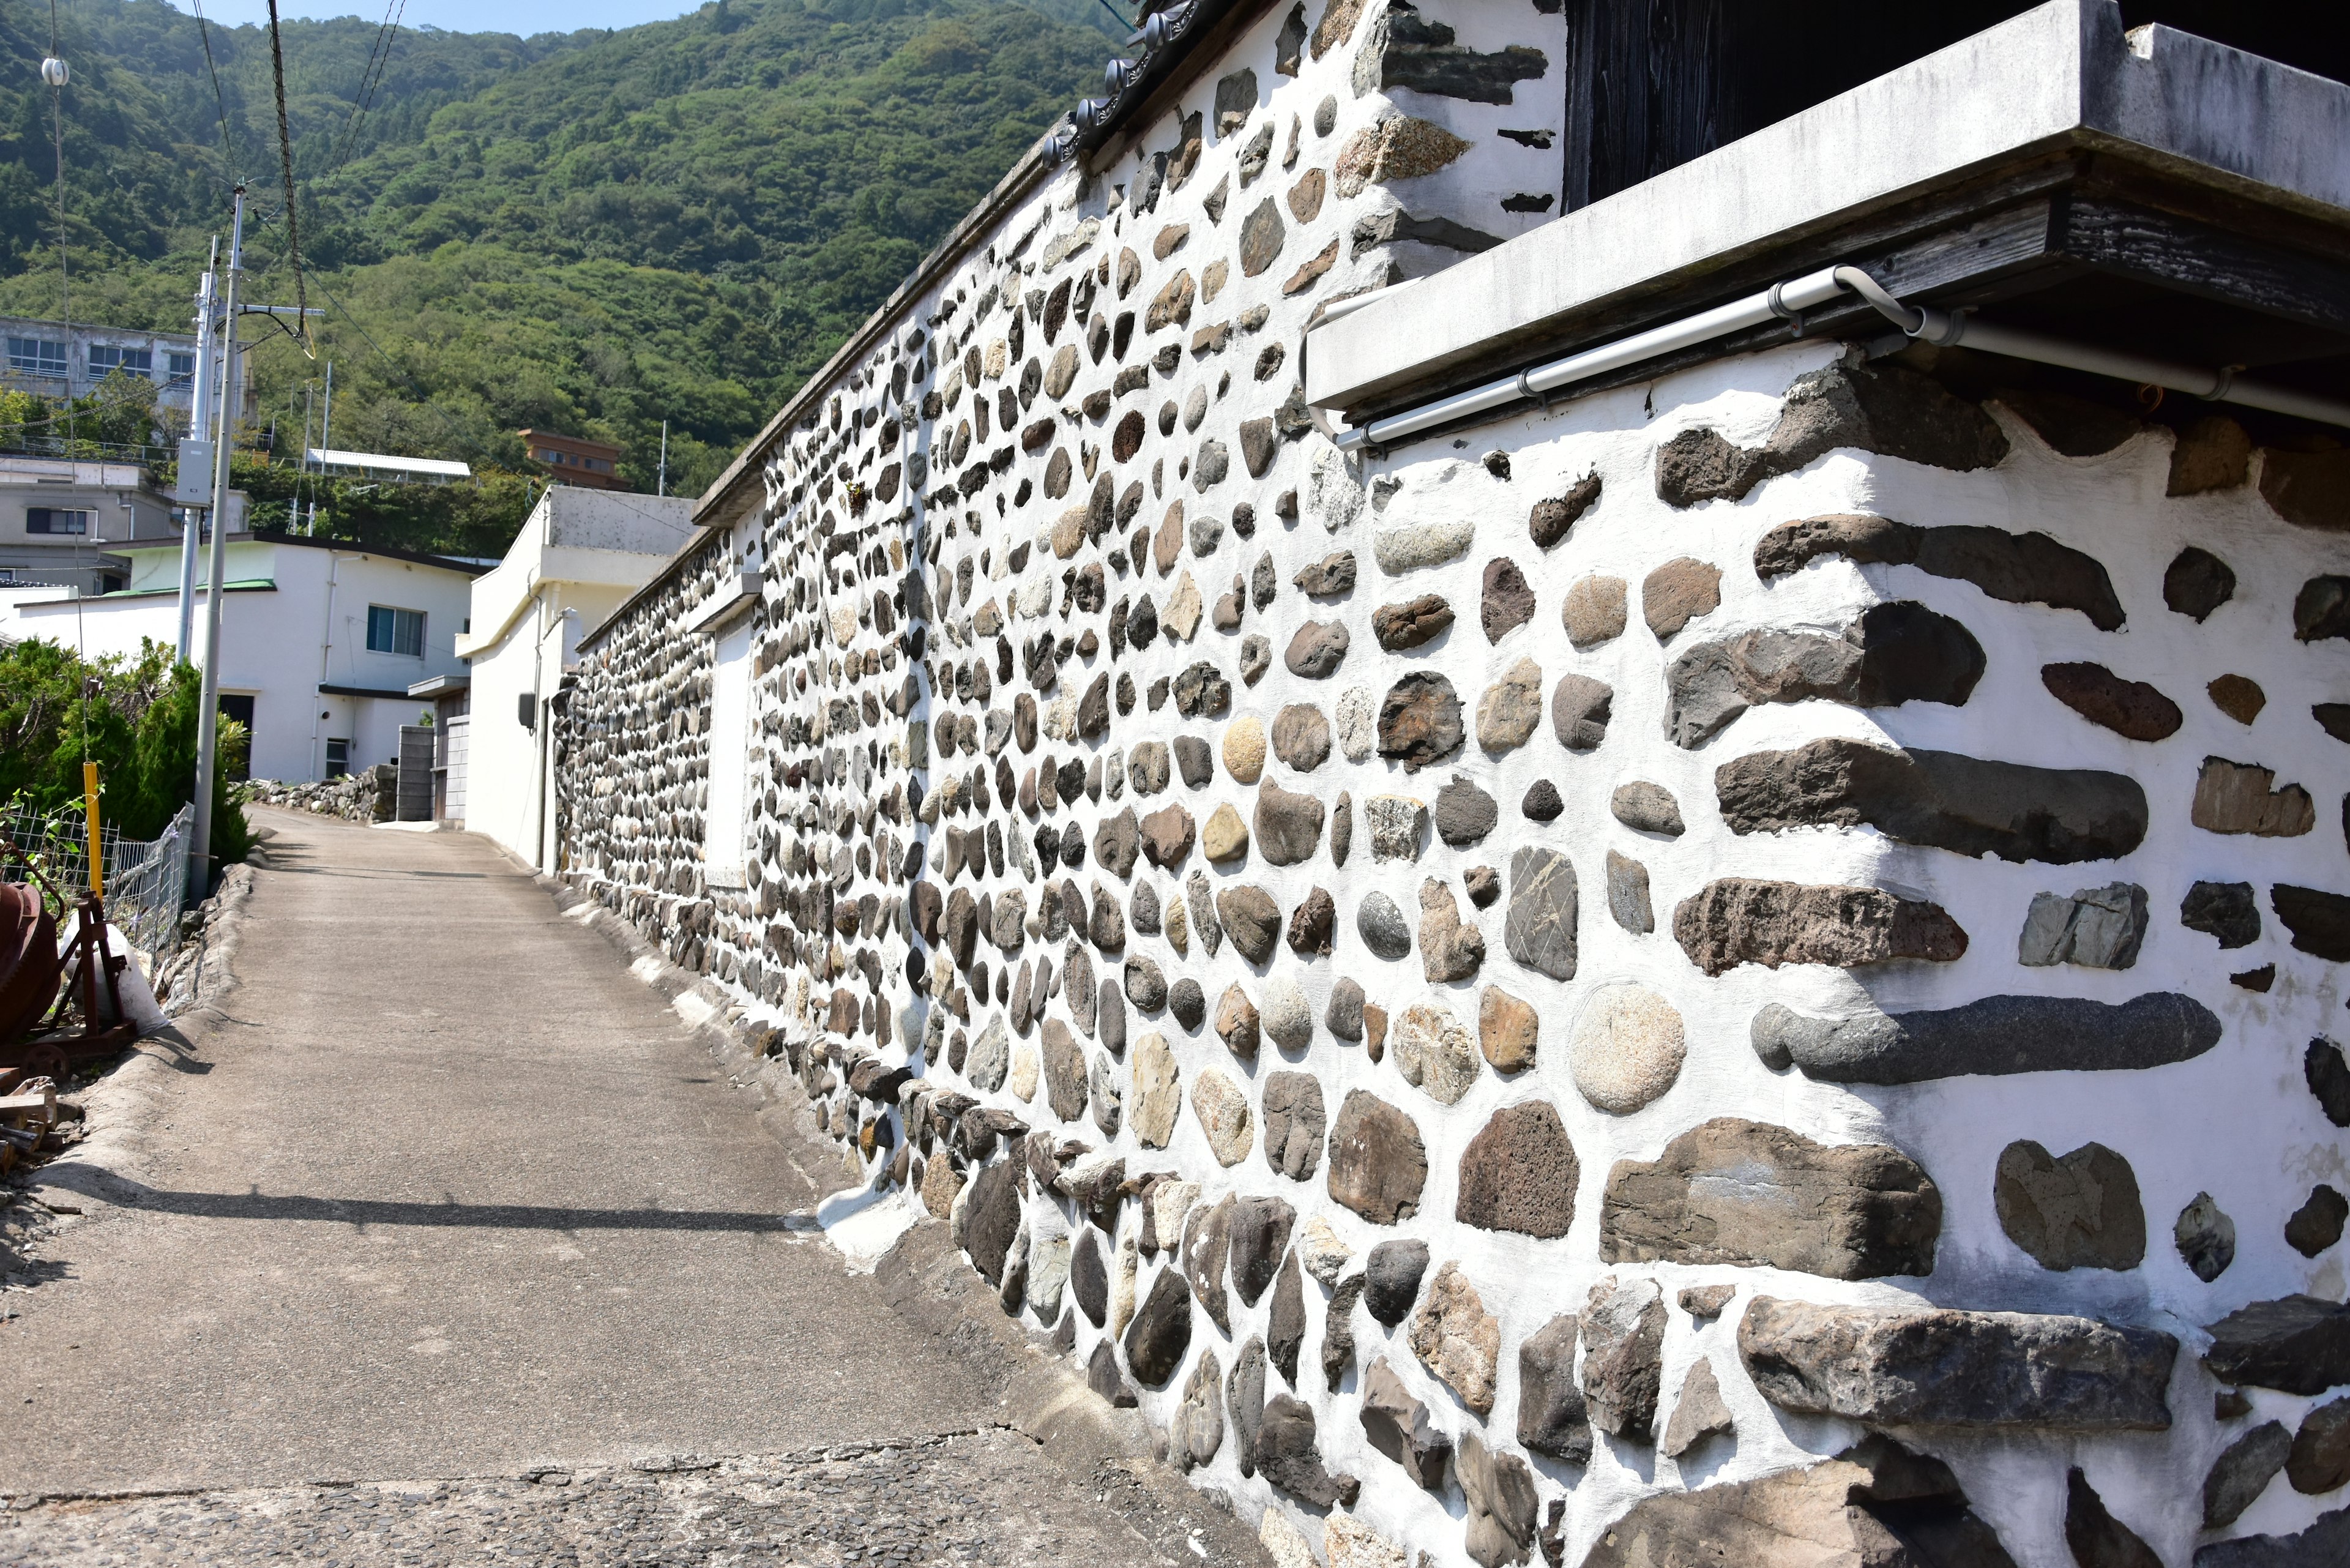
point(450, 1193)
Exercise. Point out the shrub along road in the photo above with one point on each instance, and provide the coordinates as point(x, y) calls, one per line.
point(447, 1240)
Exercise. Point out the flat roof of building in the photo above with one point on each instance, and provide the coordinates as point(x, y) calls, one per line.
point(383, 463)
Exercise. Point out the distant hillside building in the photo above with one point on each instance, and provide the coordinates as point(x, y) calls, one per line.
point(572, 461)
point(60, 520)
point(385, 466)
point(58, 361)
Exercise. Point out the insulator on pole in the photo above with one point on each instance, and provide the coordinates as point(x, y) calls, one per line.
point(54, 72)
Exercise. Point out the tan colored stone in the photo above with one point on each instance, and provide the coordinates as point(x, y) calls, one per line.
point(1224, 1115)
point(1244, 748)
point(1434, 1052)
point(1511, 708)
point(1024, 1065)
point(1226, 836)
point(940, 1185)
point(1626, 1049)
point(1457, 1339)
point(1180, 619)
point(1283, 1541)
point(1677, 593)
point(1399, 147)
point(1158, 1090)
point(1507, 1029)
point(1350, 1544)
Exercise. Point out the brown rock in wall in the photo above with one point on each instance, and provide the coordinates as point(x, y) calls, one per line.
point(1736, 920)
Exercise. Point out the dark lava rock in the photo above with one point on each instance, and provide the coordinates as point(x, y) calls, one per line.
point(1939, 799)
point(1542, 802)
point(2096, 1538)
point(2243, 1471)
point(1338, 1331)
point(1342, 827)
point(1188, 1003)
point(1400, 626)
point(1286, 1455)
point(1293, 1124)
point(1146, 986)
point(1464, 814)
point(2079, 1211)
point(1391, 1276)
point(1343, 1016)
point(1103, 1377)
point(1400, 1426)
point(1997, 1035)
point(1382, 927)
point(1285, 1323)
point(1250, 919)
point(2328, 1076)
point(1742, 1192)
point(1483, 885)
point(1260, 1231)
point(2197, 582)
point(1735, 920)
point(1508, 603)
point(1549, 521)
point(2224, 910)
point(1331, 576)
point(1244, 1394)
point(992, 1217)
point(2322, 609)
point(2320, 1459)
point(1519, 1173)
point(2131, 709)
point(1117, 842)
point(1927, 1366)
point(1419, 721)
point(1313, 925)
point(1090, 1277)
point(2319, 921)
point(1894, 653)
point(1161, 1330)
point(1552, 1417)
point(2323, 1545)
point(2317, 1223)
point(1316, 649)
point(1874, 1503)
point(2015, 568)
point(1207, 1244)
point(1377, 1163)
point(1194, 761)
point(1289, 825)
point(1579, 710)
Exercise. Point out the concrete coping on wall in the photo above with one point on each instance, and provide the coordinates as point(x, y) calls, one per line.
point(2056, 83)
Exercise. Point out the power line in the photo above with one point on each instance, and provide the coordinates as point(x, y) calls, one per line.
point(386, 36)
point(286, 161)
point(228, 153)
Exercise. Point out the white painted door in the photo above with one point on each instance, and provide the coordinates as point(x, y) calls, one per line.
point(730, 745)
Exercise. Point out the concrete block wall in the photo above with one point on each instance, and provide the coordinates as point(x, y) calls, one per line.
point(1528, 997)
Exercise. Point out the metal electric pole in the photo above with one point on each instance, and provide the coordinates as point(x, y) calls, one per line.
point(208, 713)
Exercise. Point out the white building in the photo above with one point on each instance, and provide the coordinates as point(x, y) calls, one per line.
point(577, 559)
point(320, 639)
point(68, 361)
point(63, 521)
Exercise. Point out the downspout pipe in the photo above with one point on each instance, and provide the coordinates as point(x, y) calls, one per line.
point(1790, 301)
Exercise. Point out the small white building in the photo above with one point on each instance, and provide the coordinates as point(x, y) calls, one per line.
point(320, 639)
point(579, 558)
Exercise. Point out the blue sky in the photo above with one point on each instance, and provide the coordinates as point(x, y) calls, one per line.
point(522, 16)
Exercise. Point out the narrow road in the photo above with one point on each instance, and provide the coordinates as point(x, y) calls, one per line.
point(454, 1201)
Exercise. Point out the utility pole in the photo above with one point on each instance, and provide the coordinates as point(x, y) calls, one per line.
point(208, 714)
point(195, 459)
point(660, 485)
point(326, 424)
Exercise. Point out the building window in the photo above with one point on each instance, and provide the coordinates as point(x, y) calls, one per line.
point(37, 357)
point(394, 630)
point(181, 366)
point(105, 359)
point(339, 757)
point(57, 520)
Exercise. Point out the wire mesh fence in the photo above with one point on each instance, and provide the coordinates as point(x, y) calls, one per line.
point(146, 879)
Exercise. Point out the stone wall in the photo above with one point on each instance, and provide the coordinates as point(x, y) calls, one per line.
point(369, 794)
point(1741, 968)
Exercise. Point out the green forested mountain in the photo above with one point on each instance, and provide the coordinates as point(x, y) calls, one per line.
point(592, 231)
